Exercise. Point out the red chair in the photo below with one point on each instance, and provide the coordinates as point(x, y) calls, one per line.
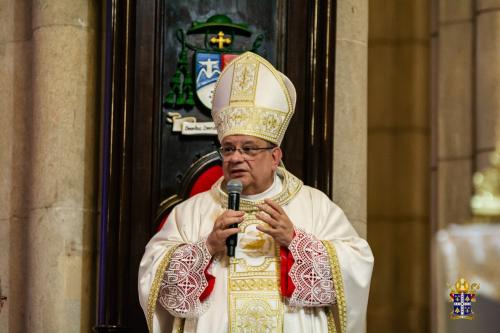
point(199, 177)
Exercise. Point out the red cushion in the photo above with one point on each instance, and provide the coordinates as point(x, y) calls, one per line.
point(202, 184)
point(206, 180)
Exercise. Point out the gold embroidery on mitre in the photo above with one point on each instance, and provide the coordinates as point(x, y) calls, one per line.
point(267, 124)
point(244, 81)
point(252, 117)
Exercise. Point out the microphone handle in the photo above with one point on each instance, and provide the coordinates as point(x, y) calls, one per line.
point(234, 204)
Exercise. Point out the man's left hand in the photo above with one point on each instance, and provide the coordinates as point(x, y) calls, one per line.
point(279, 225)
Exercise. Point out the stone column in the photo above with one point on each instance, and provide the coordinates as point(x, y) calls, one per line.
point(398, 159)
point(453, 121)
point(62, 198)
point(454, 111)
point(350, 132)
point(488, 80)
point(15, 115)
point(49, 168)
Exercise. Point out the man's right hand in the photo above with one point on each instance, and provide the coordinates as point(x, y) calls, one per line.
point(216, 241)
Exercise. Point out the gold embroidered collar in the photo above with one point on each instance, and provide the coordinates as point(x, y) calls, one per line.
point(291, 186)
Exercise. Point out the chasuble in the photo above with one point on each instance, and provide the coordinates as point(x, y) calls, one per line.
point(320, 283)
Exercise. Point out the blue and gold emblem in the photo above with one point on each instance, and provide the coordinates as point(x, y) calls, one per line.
point(188, 88)
point(462, 296)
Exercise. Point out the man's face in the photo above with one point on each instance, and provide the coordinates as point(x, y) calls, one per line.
point(256, 172)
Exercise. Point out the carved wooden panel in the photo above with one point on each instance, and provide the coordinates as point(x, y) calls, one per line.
point(178, 153)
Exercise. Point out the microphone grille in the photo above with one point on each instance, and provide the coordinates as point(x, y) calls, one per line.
point(234, 186)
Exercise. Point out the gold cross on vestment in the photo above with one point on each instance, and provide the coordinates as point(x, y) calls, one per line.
point(221, 40)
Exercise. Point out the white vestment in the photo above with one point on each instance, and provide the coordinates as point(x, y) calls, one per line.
point(331, 271)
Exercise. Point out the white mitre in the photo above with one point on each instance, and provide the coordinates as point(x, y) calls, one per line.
point(251, 97)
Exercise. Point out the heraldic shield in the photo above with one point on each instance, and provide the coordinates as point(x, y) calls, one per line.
point(462, 296)
point(208, 67)
point(209, 61)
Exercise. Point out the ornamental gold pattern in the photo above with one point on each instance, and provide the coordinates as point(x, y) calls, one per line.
point(260, 122)
point(244, 81)
point(339, 285)
point(291, 186)
point(254, 284)
point(255, 303)
point(255, 102)
point(155, 287)
point(330, 320)
point(254, 290)
point(256, 315)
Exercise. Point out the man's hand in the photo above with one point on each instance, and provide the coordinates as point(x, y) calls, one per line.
point(216, 241)
point(279, 225)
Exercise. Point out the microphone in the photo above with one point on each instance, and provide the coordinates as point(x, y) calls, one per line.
point(234, 189)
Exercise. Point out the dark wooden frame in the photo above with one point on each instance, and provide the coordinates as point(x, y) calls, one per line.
point(128, 191)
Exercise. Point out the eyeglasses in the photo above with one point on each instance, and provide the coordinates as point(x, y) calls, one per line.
point(244, 151)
